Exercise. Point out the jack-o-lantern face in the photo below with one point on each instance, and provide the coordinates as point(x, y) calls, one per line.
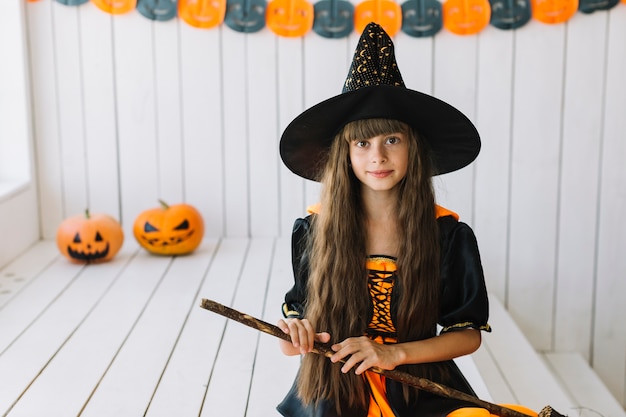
point(466, 17)
point(115, 6)
point(510, 14)
point(421, 18)
point(553, 11)
point(169, 230)
point(333, 18)
point(590, 6)
point(203, 14)
point(289, 18)
point(245, 16)
point(387, 13)
point(89, 238)
point(161, 10)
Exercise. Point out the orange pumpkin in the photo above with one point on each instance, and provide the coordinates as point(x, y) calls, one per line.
point(89, 238)
point(169, 230)
point(466, 17)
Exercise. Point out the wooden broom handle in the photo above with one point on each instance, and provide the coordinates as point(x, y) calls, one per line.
point(403, 377)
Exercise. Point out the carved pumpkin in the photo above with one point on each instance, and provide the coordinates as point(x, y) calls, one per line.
point(466, 17)
point(169, 230)
point(89, 238)
point(333, 18)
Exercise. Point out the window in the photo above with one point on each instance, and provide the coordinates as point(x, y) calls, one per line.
point(15, 170)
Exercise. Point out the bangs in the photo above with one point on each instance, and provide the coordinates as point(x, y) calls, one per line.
point(368, 128)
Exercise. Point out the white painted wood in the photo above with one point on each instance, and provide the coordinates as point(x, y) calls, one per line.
point(497, 387)
point(585, 387)
point(577, 220)
point(236, 144)
point(134, 81)
point(494, 104)
point(69, 106)
point(99, 111)
point(536, 146)
point(609, 332)
point(262, 104)
point(35, 299)
point(271, 368)
point(529, 379)
point(19, 225)
point(291, 103)
point(130, 380)
point(455, 82)
point(45, 120)
point(42, 361)
point(22, 271)
point(168, 110)
point(231, 376)
point(203, 129)
point(414, 57)
point(184, 382)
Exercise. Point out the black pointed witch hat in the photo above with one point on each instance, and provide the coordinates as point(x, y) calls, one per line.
point(374, 89)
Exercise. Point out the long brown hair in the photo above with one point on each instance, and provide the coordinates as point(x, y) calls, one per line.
point(338, 298)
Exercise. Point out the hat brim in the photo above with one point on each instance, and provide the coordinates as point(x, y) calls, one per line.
point(453, 139)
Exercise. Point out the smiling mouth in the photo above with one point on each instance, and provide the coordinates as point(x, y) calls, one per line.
point(380, 174)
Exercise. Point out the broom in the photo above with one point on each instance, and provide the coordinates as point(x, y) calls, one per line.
point(403, 377)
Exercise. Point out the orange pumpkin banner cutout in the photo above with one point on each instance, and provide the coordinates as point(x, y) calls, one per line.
point(466, 17)
point(289, 18)
point(89, 238)
point(169, 230)
point(115, 6)
point(386, 13)
point(553, 11)
point(202, 14)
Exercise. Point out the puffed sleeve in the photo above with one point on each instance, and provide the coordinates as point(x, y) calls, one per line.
point(295, 299)
point(463, 302)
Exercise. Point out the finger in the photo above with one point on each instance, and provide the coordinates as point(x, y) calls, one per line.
point(323, 337)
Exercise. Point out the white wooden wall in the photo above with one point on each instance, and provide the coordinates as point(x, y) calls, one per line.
point(127, 110)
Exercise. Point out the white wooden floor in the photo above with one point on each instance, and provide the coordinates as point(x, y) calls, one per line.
point(127, 338)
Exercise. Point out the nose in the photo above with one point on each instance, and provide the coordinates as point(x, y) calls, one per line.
point(378, 155)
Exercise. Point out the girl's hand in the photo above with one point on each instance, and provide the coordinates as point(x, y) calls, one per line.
point(303, 336)
point(365, 353)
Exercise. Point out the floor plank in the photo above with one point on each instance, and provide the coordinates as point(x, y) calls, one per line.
point(184, 383)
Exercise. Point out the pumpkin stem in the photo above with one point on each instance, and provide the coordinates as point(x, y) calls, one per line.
point(87, 215)
point(164, 205)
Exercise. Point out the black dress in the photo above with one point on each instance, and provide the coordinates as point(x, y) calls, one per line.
point(463, 304)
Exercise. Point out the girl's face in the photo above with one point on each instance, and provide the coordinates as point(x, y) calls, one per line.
point(380, 162)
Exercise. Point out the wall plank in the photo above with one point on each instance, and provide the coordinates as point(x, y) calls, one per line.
point(494, 104)
point(536, 145)
point(577, 219)
point(609, 337)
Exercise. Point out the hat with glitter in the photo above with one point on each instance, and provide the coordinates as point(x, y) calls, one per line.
point(374, 89)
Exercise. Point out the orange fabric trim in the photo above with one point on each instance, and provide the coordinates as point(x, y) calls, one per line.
point(439, 211)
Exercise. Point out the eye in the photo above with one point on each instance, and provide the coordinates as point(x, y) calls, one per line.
point(183, 226)
point(392, 140)
point(360, 143)
point(149, 228)
point(98, 237)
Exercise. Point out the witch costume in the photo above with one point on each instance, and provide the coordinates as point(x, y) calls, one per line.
point(374, 89)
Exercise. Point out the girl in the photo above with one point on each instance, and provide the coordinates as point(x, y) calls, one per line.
point(377, 264)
